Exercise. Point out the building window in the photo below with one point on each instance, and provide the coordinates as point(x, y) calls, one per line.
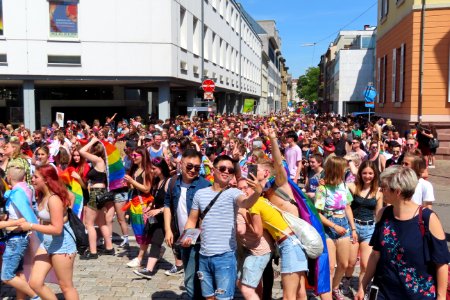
point(398, 74)
point(63, 18)
point(206, 43)
point(215, 46)
point(384, 9)
point(3, 59)
point(381, 79)
point(74, 60)
point(367, 42)
point(1, 17)
point(196, 36)
point(183, 28)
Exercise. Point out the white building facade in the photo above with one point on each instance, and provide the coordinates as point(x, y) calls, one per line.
point(350, 70)
point(93, 58)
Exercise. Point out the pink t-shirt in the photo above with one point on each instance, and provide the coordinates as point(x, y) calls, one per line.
point(293, 155)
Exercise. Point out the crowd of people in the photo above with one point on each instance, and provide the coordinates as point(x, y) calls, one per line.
point(232, 177)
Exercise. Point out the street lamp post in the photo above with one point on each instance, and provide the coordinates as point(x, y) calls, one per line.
point(314, 50)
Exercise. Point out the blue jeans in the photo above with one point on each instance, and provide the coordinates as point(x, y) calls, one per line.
point(190, 257)
point(218, 274)
point(13, 257)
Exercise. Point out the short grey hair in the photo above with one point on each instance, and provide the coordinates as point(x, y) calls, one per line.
point(400, 178)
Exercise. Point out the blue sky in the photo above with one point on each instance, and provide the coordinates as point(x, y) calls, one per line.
point(309, 21)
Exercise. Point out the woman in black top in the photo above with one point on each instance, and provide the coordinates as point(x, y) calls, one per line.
point(367, 201)
point(95, 153)
point(139, 180)
point(154, 212)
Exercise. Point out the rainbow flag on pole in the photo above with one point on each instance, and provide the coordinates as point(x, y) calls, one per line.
point(74, 186)
point(114, 168)
point(319, 268)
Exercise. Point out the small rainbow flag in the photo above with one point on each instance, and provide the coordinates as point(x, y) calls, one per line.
point(74, 186)
point(136, 206)
point(115, 168)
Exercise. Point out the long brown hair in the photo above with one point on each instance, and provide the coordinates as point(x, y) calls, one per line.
point(359, 183)
point(146, 165)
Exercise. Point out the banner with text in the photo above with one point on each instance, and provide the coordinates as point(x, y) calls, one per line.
point(64, 19)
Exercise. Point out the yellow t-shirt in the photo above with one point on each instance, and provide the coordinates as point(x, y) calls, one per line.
point(269, 215)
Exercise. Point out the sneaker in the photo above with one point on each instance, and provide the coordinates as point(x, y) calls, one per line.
point(88, 255)
point(125, 244)
point(134, 263)
point(346, 286)
point(145, 273)
point(175, 270)
point(111, 252)
point(337, 294)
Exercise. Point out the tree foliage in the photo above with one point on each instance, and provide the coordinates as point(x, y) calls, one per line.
point(308, 84)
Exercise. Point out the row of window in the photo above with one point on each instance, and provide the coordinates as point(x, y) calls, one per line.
point(231, 15)
point(397, 75)
point(216, 49)
point(384, 8)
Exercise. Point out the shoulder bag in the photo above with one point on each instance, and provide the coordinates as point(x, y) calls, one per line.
point(309, 238)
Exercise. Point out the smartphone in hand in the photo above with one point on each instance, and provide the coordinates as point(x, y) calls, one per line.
point(252, 169)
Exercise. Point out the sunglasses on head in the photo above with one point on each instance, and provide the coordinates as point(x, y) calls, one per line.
point(192, 166)
point(222, 169)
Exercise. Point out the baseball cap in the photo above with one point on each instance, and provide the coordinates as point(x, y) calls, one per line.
point(148, 137)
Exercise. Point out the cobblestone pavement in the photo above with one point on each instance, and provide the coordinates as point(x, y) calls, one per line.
point(110, 278)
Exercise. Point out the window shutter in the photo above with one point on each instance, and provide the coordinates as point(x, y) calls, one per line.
point(402, 73)
point(394, 71)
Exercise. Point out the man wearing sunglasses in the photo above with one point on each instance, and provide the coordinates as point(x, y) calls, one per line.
point(217, 270)
point(397, 156)
point(177, 206)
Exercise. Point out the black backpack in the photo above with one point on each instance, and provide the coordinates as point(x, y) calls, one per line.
point(81, 237)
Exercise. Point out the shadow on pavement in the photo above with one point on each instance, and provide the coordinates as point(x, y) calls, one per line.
point(167, 295)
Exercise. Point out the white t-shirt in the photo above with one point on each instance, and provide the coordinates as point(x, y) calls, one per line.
point(424, 192)
point(182, 213)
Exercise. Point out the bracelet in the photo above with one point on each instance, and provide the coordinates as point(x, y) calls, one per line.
point(31, 226)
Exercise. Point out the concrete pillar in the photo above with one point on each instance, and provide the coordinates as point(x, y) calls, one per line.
point(29, 107)
point(164, 101)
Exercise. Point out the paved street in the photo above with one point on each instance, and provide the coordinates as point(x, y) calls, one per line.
point(109, 278)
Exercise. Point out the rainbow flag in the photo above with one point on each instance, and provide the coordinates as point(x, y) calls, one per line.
point(319, 269)
point(114, 168)
point(136, 206)
point(74, 186)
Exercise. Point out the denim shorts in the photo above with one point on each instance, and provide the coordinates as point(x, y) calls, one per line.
point(253, 269)
point(217, 275)
point(330, 233)
point(293, 257)
point(60, 244)
point(364, 232)
point(120, 197)
point(13, 256)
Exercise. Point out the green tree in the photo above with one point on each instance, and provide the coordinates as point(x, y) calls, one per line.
point(308, 84)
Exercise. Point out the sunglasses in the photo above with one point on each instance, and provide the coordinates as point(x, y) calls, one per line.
point(135, 155)
point(337, 132)
point(191, 166)
point(222, 169)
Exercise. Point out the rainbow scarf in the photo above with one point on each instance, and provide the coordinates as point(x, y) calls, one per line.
point(319, 269)
point(114, 168)
point(74, 186)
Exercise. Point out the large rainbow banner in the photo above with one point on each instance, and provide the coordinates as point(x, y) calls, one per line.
point(115, 168)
